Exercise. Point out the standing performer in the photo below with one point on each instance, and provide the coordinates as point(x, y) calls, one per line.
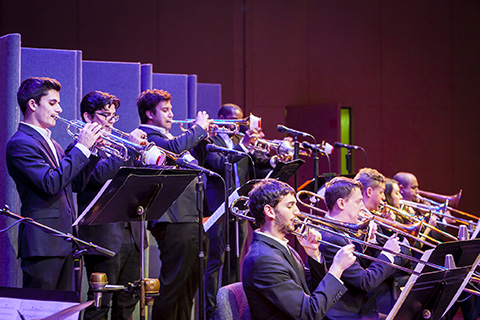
point(123, 238)
point(177, 230)
point(276, 282)
point(241, 173)
point(45, 179)
point(343, 197)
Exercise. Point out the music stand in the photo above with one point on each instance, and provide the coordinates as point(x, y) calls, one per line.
point(430, 295)
point(283, 171)
point(137, 194)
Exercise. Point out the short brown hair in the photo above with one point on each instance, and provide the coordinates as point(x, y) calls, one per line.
point(340, 187)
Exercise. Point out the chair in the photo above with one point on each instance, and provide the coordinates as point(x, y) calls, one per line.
point(232, 303)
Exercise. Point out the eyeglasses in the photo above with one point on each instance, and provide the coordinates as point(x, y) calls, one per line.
point(109, 117)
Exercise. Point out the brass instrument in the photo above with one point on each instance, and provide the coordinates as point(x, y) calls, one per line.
point(321, 224)
point(222, 125)
point(446, 206)
point(405, 230)
point(283, 148)
point(452, 200)
point(118, 147)
point(412, 218)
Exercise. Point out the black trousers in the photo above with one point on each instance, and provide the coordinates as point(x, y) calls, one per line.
point(49, 273)
point(216, 258)
point(121, 269)
point(179, 274)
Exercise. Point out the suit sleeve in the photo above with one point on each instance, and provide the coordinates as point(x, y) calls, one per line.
point(365, 279)
point(186, 141)
point(271, 277)
point(28, 161)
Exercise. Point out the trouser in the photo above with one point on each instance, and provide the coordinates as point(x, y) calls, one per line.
point(49, 273)
point(121, 269)
point(179, 274)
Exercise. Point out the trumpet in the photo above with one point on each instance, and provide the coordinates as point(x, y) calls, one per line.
point(119, 147)
point(222, 124)
point(283, 148)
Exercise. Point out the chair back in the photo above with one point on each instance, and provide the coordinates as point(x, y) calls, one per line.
point(232, 303)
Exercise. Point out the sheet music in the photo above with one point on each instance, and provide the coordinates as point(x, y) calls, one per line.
point(33, 309)
point(219, 212)
point(92, 203)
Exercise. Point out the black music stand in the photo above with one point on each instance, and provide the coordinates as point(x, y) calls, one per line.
point(283, 171)
point(137, 194)
point(430, 295)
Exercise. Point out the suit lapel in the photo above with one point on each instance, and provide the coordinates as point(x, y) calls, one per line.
point(289, 256)
point(38, 137)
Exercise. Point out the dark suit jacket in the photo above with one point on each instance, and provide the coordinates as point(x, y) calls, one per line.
point(215, 161)
point(278, 287)
point(359, 302)
point(184, 209)
point(45, 189)
point(109, 235)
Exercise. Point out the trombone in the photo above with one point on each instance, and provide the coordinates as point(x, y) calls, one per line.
point(324, 223)
point(118, 146)
point(410, 231)
point(414, 219)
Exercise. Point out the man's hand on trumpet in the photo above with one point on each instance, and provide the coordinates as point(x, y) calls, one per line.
point(203, 120)
point(139, 137)
point(251, 135)
point(89, 134)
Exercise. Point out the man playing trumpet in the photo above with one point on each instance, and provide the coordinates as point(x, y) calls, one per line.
point(276, 282)
point(45, 177)
point(123, 238)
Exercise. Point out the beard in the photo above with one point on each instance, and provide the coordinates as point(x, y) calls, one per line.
point(283, 224)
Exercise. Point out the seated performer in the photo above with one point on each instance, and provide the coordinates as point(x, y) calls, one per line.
point(277, 284)
point(123, 238)
point(45, 178)
point(242, 171)
point(343, 197)
point(177, 230)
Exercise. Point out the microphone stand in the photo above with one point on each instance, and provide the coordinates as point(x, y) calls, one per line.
point(201, 253)
point(228, 183)
point(348, 159)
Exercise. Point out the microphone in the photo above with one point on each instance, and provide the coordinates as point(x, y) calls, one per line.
point(347, 146)
point(214, 148)
point(284, 129)
point(324, 147)
point(190, 165)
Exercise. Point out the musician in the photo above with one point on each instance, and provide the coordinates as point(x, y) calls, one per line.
point(275, 280)
point(409, 189)
point(177, 230)
point(373, 183)
point(45, 178)
point(343, 197)
point(123, 238)
point(241, 173)
point(373, 194)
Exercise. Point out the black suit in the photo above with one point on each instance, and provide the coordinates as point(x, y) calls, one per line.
point(361, 279)
point(278, 286)
point(45, 190)
point(216, 234)
point(122, 238)
point(177, 236)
